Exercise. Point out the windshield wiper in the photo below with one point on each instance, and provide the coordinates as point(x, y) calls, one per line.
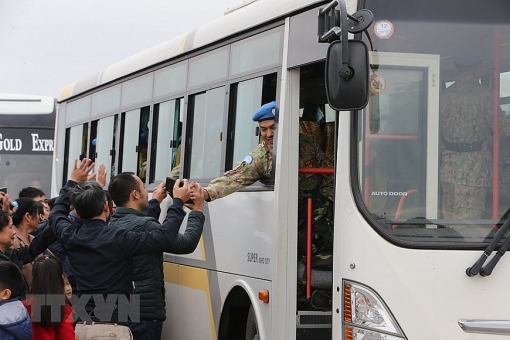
point(487, 270)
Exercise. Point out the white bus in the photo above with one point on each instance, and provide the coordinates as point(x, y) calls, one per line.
point(399, 269)
point(27, 125)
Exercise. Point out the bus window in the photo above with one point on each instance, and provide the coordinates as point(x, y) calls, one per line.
point(134, 141)
point(167, 130)
point(245, 98)
point(400, 111)
point(92, 140)
point(204, 129)
point(76, 146)
point(428, 150)
point(105, 144)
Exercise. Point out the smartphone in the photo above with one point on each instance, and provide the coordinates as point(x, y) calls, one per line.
point(170, 182)
point(13, 204)
point(3, 189)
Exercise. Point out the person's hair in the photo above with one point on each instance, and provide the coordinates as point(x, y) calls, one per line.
point(25, 205)
point(4, 219)
point(12, 278)
point(51, 202)
point(31, 192)
point(88, 199)
point(120, 187)
point(40, 207)
point(109, 199)
point(47, 279)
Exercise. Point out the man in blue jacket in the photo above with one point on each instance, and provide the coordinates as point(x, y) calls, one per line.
point(148, 269)
point(100, 255)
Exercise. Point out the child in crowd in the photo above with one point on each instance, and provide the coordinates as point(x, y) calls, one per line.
point(67, 287)
point(14, 320)
point(48, 279)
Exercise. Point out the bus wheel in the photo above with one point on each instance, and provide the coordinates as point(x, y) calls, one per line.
point(252, 331)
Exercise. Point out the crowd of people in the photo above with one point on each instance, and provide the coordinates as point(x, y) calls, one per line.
point(89, 263)
point(91, 257)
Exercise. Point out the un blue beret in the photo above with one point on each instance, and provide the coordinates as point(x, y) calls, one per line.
point(266, 112)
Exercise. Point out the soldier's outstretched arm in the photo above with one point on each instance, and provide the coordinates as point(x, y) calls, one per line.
point(234, 180)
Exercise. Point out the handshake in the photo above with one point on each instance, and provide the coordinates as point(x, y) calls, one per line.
point(191, 194)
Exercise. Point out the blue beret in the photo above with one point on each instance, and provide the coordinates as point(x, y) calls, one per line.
point(266, 112)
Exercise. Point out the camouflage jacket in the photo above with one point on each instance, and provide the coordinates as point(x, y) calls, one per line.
point(311, 156)
point(258, 165)
point(254, 167)
point(466, 116)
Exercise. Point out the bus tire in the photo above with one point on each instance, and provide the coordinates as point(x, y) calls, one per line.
point(252, 330)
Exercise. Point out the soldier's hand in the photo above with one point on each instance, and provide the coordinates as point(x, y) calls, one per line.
point(181, 192)
point(206, 195)
point(159, 192)
point(197, 195)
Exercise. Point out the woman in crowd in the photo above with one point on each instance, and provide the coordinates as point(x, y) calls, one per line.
point(25, 220)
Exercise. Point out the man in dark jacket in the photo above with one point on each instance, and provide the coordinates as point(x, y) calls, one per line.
point(148, 269)
point(101, 255)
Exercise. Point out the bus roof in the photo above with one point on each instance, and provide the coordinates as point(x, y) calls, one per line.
point(22, 104)
point(236, 19)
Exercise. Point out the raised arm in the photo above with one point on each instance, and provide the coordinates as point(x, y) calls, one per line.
point(159, 240)
point(59, 216)
point(186, 243)
point(254, 167)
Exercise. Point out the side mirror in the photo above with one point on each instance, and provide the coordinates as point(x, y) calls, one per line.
point(347, 83)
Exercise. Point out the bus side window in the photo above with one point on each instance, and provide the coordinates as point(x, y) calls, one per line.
point(104, 144)
point(92, 140)
point(204, 134)
point(245, 98)
point(76, 147)
point(166, 138)
point(134, 141)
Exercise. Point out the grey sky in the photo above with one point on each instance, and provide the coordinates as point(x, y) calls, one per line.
point(47, 44)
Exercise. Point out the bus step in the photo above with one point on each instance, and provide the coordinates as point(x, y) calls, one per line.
point(313, 325)
point(312, 319)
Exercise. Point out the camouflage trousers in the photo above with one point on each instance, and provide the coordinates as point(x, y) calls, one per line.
point(463, 202)
point(322, 248)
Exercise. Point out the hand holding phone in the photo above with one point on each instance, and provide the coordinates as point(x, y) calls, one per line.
point(170, 184)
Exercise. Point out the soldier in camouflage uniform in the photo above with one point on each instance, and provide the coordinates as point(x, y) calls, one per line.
point(257, 166)
point(466, 117)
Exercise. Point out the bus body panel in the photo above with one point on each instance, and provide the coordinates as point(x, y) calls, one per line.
point(202, 293)
point(246, 254)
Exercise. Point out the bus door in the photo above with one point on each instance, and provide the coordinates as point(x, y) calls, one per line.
point(400, 145)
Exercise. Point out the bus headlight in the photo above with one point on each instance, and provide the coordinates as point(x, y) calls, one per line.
point(366, 316)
